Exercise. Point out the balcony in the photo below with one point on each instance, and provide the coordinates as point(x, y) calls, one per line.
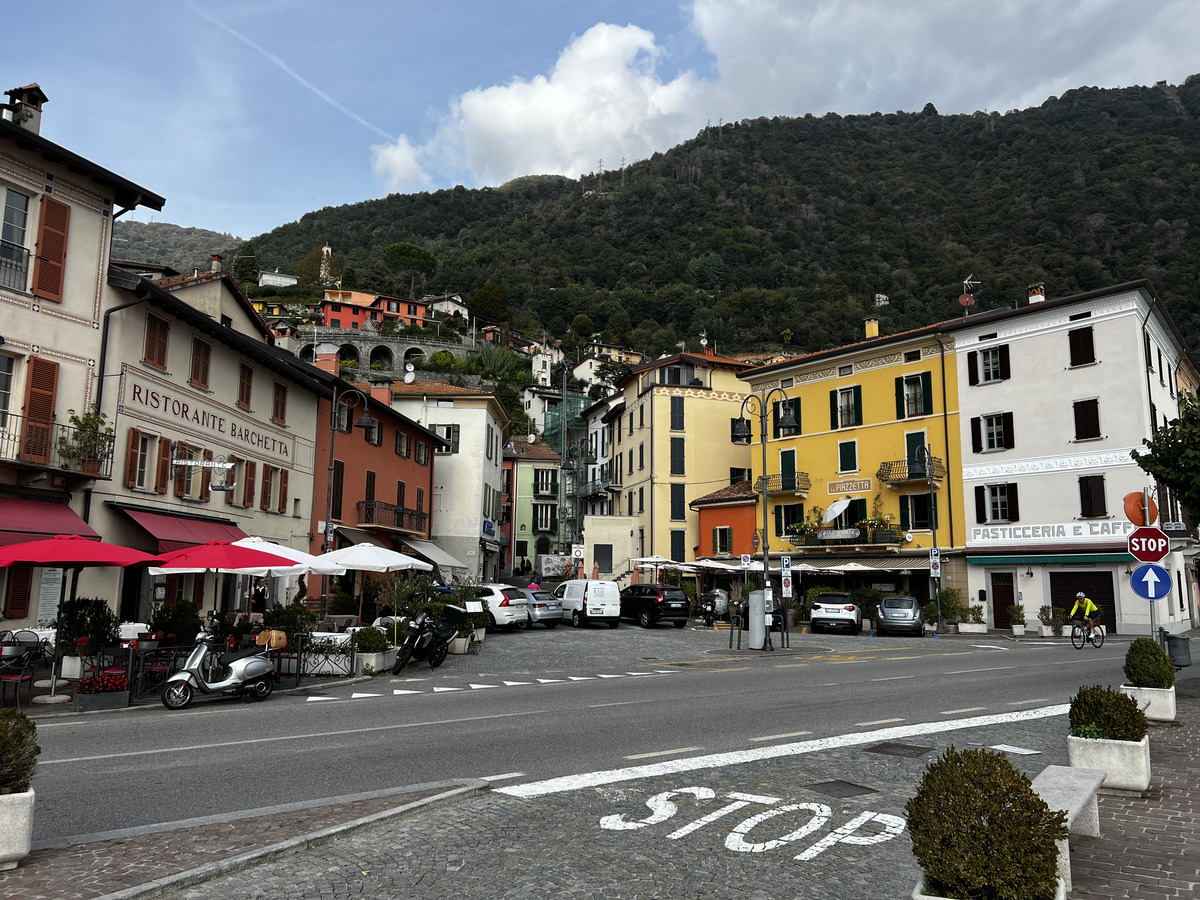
point(796, 483)
point(597, 487)
point(845, 537)
point(907, 471)
point(47, 445)
point(388, 515)
point(14, 266)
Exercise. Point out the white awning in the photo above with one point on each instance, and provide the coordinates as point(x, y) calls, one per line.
point(433, 553)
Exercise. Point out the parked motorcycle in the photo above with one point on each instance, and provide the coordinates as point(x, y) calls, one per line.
point(427, 639)
point(247, 672)
point(708, 613)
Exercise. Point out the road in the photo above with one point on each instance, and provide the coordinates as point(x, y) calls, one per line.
point(533, 707)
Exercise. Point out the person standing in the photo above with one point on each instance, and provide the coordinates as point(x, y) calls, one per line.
point(258, 597)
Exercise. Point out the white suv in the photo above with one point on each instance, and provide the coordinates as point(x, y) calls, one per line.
point(830, 610)
point(506, 604)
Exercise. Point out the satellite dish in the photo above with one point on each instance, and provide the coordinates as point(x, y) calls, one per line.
point(408, 367)
point(409, 377)
point(966, 299)
point(533, 437)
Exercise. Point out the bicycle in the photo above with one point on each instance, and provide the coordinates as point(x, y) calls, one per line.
point(1089, 634)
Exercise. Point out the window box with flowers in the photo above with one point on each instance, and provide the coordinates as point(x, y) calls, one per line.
point(801, 533)
point(101, 692)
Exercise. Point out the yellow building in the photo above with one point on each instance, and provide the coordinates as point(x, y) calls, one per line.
point(851, 483)
point(670, 443)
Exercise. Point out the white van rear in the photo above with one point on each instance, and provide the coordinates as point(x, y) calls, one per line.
point(589, 600)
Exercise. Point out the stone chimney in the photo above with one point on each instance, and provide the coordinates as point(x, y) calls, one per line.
point(215, 265)
point(24, 107)
point(1037, 293)
point(872, 328)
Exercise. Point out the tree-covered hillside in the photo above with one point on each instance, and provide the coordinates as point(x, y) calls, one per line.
point(781, 231)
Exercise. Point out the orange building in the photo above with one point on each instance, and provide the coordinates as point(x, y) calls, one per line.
point(354, 310)
point(728, 521)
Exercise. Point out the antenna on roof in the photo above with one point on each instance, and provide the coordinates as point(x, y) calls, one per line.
point(967, 298)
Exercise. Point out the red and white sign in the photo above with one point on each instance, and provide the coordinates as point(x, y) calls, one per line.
point(1148, 544)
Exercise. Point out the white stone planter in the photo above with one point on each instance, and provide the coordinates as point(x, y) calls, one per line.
point(480, 634)
point(1018, 630)
point(379, 662)
point(1161, 701)
point(72, 667)
point(1126, 764)
point(1046, 630)
point(1060, 892)
point(972, 628)
point(459, 644)
point(16, 828)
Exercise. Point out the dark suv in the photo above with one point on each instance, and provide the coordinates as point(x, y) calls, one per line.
point(648, 604)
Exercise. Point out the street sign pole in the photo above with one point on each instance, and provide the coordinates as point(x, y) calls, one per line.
point(1146, 519)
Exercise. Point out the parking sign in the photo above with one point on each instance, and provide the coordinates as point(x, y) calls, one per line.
point(745, 560)
point(787, 586)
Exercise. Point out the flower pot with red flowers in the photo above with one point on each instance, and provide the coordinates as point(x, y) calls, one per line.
point(101, 692)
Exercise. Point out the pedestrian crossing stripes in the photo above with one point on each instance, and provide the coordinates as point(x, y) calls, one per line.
point(483, 686)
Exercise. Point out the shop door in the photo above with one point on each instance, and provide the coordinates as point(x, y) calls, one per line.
point(1097, 585)
point(1002, 598)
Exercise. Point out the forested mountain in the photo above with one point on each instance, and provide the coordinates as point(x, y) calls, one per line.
point(183, 249)
point(780, 232)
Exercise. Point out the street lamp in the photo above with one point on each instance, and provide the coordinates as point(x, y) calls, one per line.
point(741, 431)
point(365, 421)
point(927, 460)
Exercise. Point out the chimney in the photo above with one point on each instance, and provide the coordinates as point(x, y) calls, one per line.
point(24, 107)
point(215, 265)
point(1037, 292)
point(382, 393)
point(872, 328)
point(325, 357)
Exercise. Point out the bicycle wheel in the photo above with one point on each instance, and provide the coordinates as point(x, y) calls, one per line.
point(1098, 636)
point(1077, 637)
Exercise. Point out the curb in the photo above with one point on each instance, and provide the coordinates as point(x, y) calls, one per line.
point(463, 788)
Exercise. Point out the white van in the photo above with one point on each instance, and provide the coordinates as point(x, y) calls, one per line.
point(588, 600)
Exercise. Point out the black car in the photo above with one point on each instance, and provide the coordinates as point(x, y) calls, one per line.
point(649, 604)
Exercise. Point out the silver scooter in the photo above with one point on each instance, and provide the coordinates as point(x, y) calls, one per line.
point(209, 671)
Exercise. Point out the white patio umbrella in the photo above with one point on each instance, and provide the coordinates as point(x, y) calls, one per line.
point(303, 562)
point(368, 557)
point(836, 508)
point(653, 562)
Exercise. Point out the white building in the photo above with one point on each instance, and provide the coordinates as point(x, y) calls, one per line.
point(1053, 396)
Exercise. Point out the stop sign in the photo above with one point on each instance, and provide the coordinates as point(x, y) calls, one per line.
point(1149, 544)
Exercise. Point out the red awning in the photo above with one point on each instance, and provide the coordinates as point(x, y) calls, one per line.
point(177, 533)
point(36, 520)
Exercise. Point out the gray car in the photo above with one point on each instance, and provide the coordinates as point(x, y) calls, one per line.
point(543, 608)
point(897, 612)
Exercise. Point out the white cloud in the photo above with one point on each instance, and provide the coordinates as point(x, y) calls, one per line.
point(398, 167)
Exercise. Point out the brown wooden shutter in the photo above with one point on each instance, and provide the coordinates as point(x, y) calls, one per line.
point(264, 500)
point(283, 491)
point(20, 587)
point(163, 475)
point(50, 260)
point(230, 475)
point(39, 410)
point(251, 478)
point(206, 479)
point(181, 452)
point(131, 461)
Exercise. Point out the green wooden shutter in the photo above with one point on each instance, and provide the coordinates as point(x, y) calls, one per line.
point(833, 409)
point(796, 414)
point(715, 541)
point(900, 397)
point(927, 393)
point(778, 521)
point(775, 420)
point(858, 510)
point(904, 520)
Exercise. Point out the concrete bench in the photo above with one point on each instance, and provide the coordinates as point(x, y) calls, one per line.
point(1072, 791)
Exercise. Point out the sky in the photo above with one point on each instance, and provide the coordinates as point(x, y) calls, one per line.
point(247, 114)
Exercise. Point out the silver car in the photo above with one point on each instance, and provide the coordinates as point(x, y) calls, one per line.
point(897, 612)
point(542, 608)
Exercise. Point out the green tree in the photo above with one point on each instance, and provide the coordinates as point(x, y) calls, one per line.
point(308, 270)
point(490, 303)
point(582, 326)
point(1173, 455)
point(414, 260)
point(609, 372)
point(350, 279)
point(245, 265)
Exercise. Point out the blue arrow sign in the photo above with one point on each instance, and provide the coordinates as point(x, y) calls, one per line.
point(1150, 582)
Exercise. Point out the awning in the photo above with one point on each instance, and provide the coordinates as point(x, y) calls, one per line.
point(433, 553)
point(362, 536)
point(882, 563)
point(35, 520)
point(179, 532)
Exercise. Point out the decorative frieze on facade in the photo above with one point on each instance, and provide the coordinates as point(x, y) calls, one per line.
point(1048, 464)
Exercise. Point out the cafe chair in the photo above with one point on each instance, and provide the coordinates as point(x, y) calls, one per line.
point(16, 671)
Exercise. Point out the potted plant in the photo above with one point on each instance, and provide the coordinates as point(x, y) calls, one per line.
point(106, 691)
point(1108, 732)
point(1052, 619)
point(974, 623)
point(979, 830)
point(372, 650)
point(1150, 679)
point(1016, 616)
point(88, 443)
point(18, 755)
point(85, 626)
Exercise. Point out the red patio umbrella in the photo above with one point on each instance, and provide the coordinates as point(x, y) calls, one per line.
point(69, 551)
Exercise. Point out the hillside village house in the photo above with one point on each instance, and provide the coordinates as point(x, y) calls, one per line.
point(532, 501)
point(356, 310)
point(58, 212)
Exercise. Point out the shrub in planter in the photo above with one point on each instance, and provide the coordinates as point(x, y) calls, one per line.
point(1101, 712)
point(292, 619)
point(975, 614)
point(1016, 614)
point(979, 830)
point(87, 617)
point(371, 640)
point(181, 619)
point(18, 751)
point(1148, 666)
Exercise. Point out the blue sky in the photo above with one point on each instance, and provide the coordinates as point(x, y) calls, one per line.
point(246, 114)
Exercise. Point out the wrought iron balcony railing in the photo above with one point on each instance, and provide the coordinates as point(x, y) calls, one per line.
point(14, 266)
point(595, 488)
point(48, 445)
point(785, 483)
point(841, 537)
point(388, 515)
point(901, 471)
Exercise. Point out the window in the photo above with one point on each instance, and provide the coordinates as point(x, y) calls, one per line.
point(737, 474)
point(450, 433)
point(335, 496)
point(722, 540)
point(1083, 351)
point(641, 500)
point(1091, 497)
point(629, 504)
point(1087, 420)
point(996, 503)
point(400, 494)
point(988, 365)
point(373, 435)
point(422, 453)
point(201, 354)
point(787, 514)
point(420, 499)
point(918, 511)
point(678, 503)
point(914, 395)
point(279, 409)
point(545, 482)
point(631, 423)
point(6, 385)
point(778, 408)
point(642, 413)
point(139, 466)
point(14, 256)
point(335, 323)
point(993, 431)
point(678, 545)
point(845, 407)
point(847, 456)
point(412, 309)
point(369, 487)
point(245, 381)
point(157, 332)
point(602, 555)
point(845, 370)
point(543, 517)
point(403, 445)
point(677, 414)
point(677, 467)
point(641, 456)
point(488, 448)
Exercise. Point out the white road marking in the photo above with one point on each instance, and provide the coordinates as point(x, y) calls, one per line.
point(876, 722)
point(894, 678)
point(989, 647)
point(754, 798)
point(398, 691)
point(972, 671)
point(512, 683)
point(316, 699)
point(581, 678)
point(779, 737)
point(357, 696)
point(664, 752)
point(611, 676)
point(480, 687)
point(1008, 748)
point(622, 703)
point(1034, 700)
point(501, 777)
point(550, 681)
point(776, 751)
point(445, 690)
point(956, 712)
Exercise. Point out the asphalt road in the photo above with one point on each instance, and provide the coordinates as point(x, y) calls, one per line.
point(532, 706)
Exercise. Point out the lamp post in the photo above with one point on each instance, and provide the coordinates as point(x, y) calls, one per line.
point(741, 431)
point(365, 421)
point(927, 460)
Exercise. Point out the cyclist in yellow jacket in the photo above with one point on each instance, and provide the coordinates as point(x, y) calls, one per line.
point(1086, 608)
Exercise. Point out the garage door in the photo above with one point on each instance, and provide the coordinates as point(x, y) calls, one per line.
point(1097, 585)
